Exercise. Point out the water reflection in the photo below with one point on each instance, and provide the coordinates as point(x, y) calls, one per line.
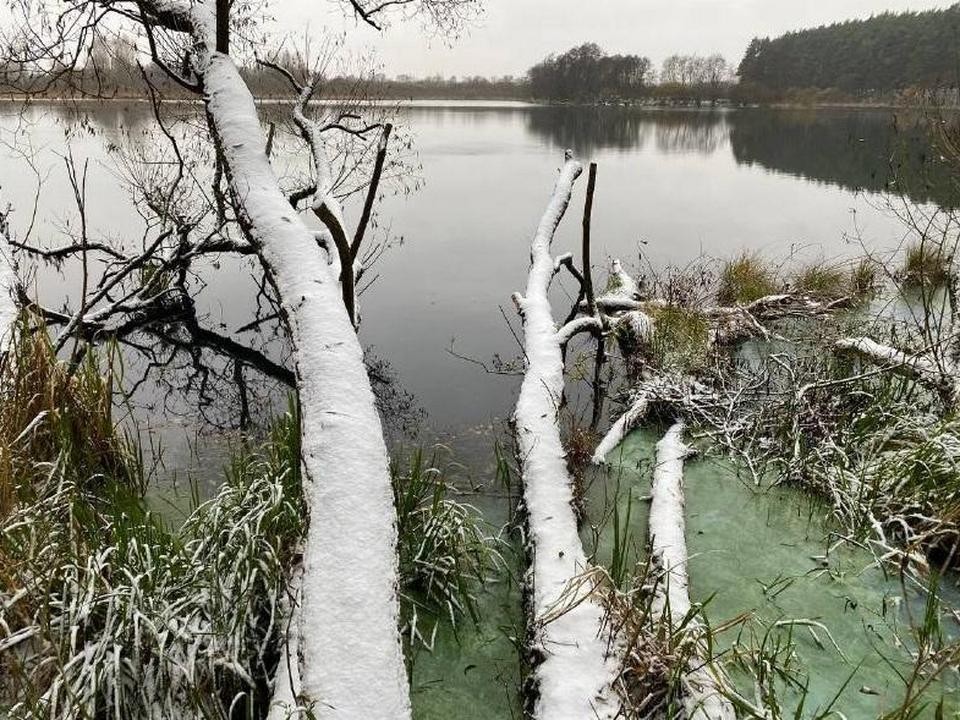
point(588, 129)
point(476, 157)
point(856, 150)
point(870, 150)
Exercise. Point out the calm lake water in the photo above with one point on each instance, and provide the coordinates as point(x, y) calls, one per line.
point(673, 186)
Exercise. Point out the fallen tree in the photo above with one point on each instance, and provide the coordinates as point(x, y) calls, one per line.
point(349, 563)
point(622, 427)
point(702, 687)
point(346, 658)
point(575, 664)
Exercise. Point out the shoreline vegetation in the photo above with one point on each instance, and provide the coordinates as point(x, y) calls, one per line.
point(400, 101)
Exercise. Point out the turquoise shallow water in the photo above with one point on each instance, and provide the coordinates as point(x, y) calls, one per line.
point(763, 553)
point(756, 552)
point(473, 673)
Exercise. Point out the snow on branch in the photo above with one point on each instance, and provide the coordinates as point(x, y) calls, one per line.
point(621, 428)
point(917, 366)
point(575, 676)
point(575, 327)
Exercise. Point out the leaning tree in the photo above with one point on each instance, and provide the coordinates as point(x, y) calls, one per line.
point(344, 654)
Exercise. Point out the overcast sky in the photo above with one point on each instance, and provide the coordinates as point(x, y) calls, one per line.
point(511, 35)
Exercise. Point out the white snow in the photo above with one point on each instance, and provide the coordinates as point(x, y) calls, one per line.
point(667, 527)
point(351, 661)
point(621, 428)
point(918, 366)
point(576, 676)
point(579, 325)
point(638, 324)
point(286, 684)
point(626, 286)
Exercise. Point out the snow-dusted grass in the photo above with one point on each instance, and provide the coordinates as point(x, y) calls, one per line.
point(446, 553)
point(106, 613)
point(50, 414)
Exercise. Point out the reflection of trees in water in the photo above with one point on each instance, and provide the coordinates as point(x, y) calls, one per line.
point(856, 150)
point(692, 132)
point(588, 129)
point(156, 298)
point(130, 117)
point(184, 363)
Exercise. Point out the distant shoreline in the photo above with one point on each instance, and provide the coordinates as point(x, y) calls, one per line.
point(502, 102)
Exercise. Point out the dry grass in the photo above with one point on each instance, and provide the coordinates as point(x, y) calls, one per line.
point(50, 411)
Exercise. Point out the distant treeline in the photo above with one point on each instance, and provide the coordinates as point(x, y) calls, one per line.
point(888, 52)
point(587, 74)
point(887, 59)
point(583, 74)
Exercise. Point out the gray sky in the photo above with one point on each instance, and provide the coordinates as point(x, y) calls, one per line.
point(511, 35)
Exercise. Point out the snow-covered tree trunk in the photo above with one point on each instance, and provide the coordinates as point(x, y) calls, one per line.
point(703, 699)
point(577, 668)
point(350, 660)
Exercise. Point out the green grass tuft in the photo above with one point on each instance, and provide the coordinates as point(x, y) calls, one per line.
point(444, 550)
point(864, 278)
point(927, 264)
point(681, 339)
point(745, 279)
point(822, 281)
